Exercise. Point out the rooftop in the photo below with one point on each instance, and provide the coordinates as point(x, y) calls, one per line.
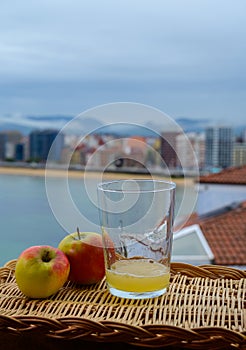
point(225, 231)
point(190, 246)
point(233, 175)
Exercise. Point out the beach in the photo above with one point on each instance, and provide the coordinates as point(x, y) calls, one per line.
point(78, 174)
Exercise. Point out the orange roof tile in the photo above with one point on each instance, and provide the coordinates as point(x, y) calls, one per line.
point(225, 232)
point(233, 175)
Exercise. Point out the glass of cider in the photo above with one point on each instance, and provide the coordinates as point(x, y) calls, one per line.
point(136, 218)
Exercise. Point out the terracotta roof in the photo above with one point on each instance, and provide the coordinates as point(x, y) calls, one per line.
point(225, 232)
point(233, 175)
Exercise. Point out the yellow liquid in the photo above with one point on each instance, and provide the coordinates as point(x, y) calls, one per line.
point(138, 275)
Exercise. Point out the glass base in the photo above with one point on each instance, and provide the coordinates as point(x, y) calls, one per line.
point(136, 295)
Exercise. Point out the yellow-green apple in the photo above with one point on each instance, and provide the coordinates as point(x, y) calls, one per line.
point(41, 271)
point(85, 254)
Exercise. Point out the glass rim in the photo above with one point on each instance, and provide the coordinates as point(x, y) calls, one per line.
point(171, 186)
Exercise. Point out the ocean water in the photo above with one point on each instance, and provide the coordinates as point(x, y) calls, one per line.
point(26, 217)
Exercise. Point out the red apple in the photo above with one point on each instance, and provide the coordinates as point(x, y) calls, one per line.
point(41, 271)
point(85, 254)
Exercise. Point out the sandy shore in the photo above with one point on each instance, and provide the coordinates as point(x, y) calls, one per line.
point(80, 174)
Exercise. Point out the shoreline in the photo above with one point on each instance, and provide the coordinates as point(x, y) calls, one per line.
point(77, 174)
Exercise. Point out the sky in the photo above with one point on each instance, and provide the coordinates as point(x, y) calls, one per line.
point(186, 58)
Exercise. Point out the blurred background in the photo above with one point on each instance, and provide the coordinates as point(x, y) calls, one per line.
point(184, 59)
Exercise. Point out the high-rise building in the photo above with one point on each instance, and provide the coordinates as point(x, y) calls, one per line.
point(40, 143)
point(8, 141)
point(218, 147)
point(191, 150)
point(19, 152)
point(168, 149)
point(3, 141)
point(239, 154)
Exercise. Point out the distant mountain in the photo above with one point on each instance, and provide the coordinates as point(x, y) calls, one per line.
point(186, 124)
point(25, 130)
point(82, 125)
point(193, 125)
point(127, 130)
point(50, 118)
point(90, 124)
point(199, 125)
point(25, 124)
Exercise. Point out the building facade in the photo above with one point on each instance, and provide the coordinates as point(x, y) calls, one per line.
point(8, 141)
point(191, 150)
point(44, 143)
point(168, 149)
point(219, 147)
point(3, 141)
point(239, 154)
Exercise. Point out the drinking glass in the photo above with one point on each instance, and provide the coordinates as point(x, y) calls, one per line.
point(136, 218)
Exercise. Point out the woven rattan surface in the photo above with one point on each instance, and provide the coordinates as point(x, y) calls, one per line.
point(204, 308)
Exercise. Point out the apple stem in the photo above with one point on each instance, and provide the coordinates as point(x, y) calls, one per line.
point(78, 233)
point(46, 256)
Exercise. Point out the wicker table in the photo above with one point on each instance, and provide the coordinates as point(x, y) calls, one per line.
point(203, 309)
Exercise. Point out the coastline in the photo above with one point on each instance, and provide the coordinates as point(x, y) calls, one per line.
point(77, 174)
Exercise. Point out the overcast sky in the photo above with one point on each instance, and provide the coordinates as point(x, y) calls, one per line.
point(184, 57)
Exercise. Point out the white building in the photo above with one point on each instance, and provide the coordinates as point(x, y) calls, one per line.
point(239, 154)
point(185, 142)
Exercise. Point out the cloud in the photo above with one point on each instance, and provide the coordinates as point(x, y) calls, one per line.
point(99, 39)
point(65, 57)
point(33, 122)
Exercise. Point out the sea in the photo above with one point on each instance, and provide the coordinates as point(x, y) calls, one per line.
point(30, 210)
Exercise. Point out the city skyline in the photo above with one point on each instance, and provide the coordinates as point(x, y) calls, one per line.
point(215, 149)
point(185, 58)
